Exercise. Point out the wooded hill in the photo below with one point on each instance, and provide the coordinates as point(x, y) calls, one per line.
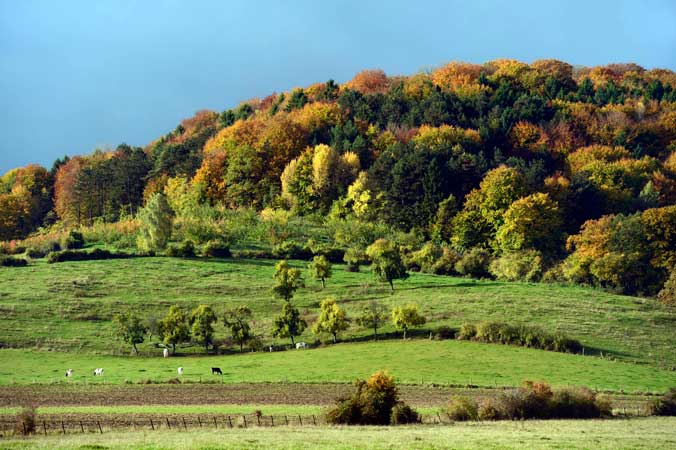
point(505, 166)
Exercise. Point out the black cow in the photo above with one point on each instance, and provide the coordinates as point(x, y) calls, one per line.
point(216, 370)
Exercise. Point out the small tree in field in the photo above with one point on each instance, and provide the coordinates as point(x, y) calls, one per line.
point(237, 319)
point(405, 317)
point(320, 268)
point(202, 321)
point(156, 223)
point(374, 315)
point(130, 329)
point(289, 323)
point(287, 281)
point(332, 319)
point(386, 262)
point(174, 327)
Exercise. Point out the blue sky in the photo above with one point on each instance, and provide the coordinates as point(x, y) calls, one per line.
point(76, 75)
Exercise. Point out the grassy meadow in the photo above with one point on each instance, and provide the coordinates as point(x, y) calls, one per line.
point(68, 307)
point(569, 434)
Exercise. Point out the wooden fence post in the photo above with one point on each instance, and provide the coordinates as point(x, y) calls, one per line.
point(244, 417)
point(184, 425)
point(300, 419)
point(272, 420)
point(168, 425)
point(81, 427)
point(286, 419)
point(229, 422)
point(63, 428)
point(313, 420)
point(258, 418)
point(44, 427)
point(100, 429)
point(215, 424)
point(199, 421)
point(152, 425)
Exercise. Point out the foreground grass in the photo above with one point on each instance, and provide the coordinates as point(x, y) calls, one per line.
point(648, 433)
point(412, 362)
point(69, 306)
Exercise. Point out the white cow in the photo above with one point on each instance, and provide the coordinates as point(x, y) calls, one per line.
point(301, 345)
point(69, 373)
point(180, 370)
point(98, 372)
point(165, 352)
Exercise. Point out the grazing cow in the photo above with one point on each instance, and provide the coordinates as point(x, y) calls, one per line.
point(216, 370)
point(165, 352)
point(98, 372)
point(180, 370)
point(301, 345)
point(69, 373)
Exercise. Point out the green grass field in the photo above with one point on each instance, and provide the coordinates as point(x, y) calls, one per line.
point(650, 433)
point(69, 306)
point(414, 361)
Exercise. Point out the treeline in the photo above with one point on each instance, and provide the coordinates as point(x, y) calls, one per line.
point(505, 165)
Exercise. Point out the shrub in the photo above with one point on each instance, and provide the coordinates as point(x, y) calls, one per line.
point(217, 249)
point(291, 250)
point(372, 403)
point(185, 249)
point(467, 331)
point(25, 422)
point(523, 335)
point(445, 332)
point(520, 266)
point(668, 293)
point(354, 257)
point(462, 409)
point(445, 265)
point(80, 255)
point(489, 409)
point(73, 241)
point(424, 258)
point(403, 414)
point(10, 261)
point(578, 403)
point(664, 406)
point(474, 263)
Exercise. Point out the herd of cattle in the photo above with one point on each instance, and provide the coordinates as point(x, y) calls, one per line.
point(165, 353)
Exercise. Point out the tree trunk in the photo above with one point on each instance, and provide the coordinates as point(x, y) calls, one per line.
point(135, 349)
point(323, 283)
point(375, 332)
point(391, 286)
point(293, 343)
point(335, 338)
point(241, 346)
point(173, 349)
point(404, 333)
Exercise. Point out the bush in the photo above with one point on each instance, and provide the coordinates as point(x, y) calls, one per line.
point(489, 409)
point(462, 409)
point(521, 266)
point(578, 403)
point(445, 332)
point(523, 335)
point(9, 261)
point(403, 414)
point(664, 406)
point(73, 241)
point(474, 263)
point(292, 250)
point(80, 255)
point(185, 249)
point(424, 259)
point(217, 249)
point(25, 422)
point(467, 331)
point(668, 293)
point(445, 265)
point(372, 403)
point(354, 257)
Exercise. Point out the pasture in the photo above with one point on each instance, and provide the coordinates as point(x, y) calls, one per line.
point(637, 433)
point(68, 307)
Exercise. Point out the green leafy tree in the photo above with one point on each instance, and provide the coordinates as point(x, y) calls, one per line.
point(174, 328)
point(531, 223)
point(289, 324)
point(130, 328)
point(442, 228)
point(386, 262)
point(332, 319)
point(405, 317)
point(374, 315)
point(237, 319)
point(202, 320)
point(156, 223)
point(320, 269)
point(287, 281)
